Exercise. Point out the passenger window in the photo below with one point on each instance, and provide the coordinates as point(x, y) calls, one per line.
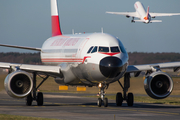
point(115, 49)
point(103, 49)
point(90, 49)
point(94, 50)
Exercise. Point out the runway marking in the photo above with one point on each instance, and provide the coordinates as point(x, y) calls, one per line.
point(92, 106)
point(159, 112)
point(114, 108)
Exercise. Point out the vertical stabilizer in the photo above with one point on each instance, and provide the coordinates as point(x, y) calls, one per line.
point(147, 16)
point(56, 30)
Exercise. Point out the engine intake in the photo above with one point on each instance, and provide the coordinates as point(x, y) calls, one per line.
point(18, 84)
point(158, 85)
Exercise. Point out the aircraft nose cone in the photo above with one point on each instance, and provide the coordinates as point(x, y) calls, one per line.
point(111, 66)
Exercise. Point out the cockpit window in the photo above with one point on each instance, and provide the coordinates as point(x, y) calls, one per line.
point(115, 49)
point(103, 49)
point(94, 50)
point(122, 49)
point(90, 49)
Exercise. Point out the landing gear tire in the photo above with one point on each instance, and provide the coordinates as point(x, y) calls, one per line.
point(130, 99)
point(29, 100)
point(105, 102)
point(119, 99)
point(39, 99)
point(99, 102)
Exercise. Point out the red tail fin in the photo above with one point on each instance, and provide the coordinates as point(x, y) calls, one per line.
point(56, 30)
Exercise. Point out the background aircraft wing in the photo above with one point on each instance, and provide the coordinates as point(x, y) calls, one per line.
point(53, 71)
point(138, 68)
point(21, 47)
point(128, 14)
point(163, 14)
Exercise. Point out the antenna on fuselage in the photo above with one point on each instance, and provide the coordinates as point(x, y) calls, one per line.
point(73, 31)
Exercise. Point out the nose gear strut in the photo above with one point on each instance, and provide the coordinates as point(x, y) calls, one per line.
point(102, 94)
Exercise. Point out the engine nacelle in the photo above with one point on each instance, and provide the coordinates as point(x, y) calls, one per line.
point(158, 85)
point(18, 84)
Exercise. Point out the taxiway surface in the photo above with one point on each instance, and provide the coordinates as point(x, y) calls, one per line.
point(73, 106)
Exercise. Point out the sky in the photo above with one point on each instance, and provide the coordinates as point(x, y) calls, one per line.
point(28, 23)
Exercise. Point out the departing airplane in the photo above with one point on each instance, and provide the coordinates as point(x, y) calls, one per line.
point(94, 59)
point(143, 15)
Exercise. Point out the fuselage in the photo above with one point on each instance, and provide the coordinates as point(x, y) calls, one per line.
point(142, 12)
point(86, 58)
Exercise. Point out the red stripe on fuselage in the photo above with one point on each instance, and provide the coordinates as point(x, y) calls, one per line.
point(110, 54)
point(56, 30)
point(85, 58)
point(61, 60)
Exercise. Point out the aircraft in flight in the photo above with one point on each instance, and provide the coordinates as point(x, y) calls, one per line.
point(143, 15)
point(92, 59)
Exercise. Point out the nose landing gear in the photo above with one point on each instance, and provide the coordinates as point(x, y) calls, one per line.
point(101, 93)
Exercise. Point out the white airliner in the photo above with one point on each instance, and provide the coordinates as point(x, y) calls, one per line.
point(96, 59)
point(143, 15)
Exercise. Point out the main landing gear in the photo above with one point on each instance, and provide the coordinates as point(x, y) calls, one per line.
point(130, 97)
point(38, 97)
point(101, 93)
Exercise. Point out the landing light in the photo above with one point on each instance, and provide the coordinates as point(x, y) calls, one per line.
point(100, 85)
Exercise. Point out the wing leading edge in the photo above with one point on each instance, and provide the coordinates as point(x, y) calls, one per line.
point(53, 71)
point(138, 68)
point(21, 47)
point(128, 14)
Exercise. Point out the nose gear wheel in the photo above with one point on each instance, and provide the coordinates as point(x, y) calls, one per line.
point(101, 93)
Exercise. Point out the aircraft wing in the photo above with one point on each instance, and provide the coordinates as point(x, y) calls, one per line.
point(42, 69)
point(21, 47)
point(128, 14)
point(163, 14)
point(138, 68)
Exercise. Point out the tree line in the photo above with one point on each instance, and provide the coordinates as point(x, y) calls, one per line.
point(135, 58)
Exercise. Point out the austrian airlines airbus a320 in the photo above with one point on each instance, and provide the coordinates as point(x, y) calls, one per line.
point(143, 15)
point(95, 59)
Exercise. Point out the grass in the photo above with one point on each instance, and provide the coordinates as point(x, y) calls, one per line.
point(137, 87)
point(16, 117)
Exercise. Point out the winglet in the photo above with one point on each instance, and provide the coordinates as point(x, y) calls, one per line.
point(56, 30)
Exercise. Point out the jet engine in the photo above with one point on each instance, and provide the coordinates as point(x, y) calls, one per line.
point(18, 84)
point(158, 85)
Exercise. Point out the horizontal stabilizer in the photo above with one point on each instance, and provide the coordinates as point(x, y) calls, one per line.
point(138, 20)
point(156, 21)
